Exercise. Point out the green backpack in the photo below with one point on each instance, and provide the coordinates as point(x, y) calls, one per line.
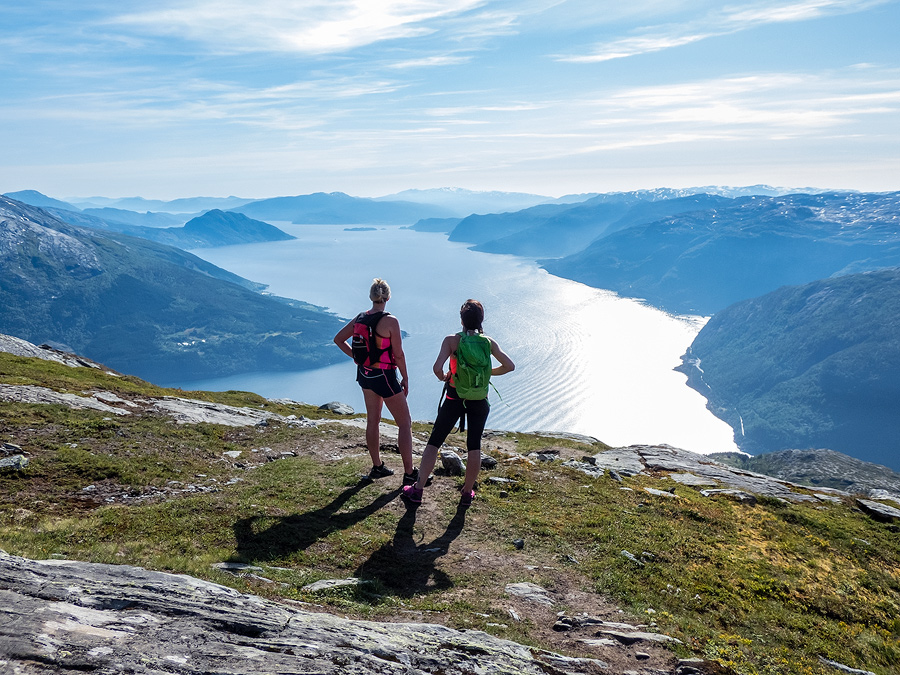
point(473, 367)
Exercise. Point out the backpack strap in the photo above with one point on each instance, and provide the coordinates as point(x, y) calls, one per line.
point(370, 321)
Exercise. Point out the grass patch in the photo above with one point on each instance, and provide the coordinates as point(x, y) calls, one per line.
point(761, 589)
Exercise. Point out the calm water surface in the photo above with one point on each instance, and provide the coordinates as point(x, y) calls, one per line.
point(587, 361)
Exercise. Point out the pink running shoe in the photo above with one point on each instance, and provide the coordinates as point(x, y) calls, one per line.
point(413, 493)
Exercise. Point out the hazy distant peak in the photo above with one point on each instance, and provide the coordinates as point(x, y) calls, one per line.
point(35, 198)
point(463, 202)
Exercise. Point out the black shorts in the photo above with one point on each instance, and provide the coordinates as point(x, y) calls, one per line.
point(448, 415)
point(382, 382)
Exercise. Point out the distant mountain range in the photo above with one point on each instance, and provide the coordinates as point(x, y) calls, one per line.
point(812, 366)
point(338, 208)
point(192, 205)
point(461, 203)
point(148, 219)
point(562, 227)
point(701, 261)
point(145, 308)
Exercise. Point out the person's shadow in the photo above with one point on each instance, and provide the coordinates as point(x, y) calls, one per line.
point(290, 534)
point(405, 569)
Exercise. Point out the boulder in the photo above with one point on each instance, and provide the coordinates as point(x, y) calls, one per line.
point(14, 463)
point(452, 463)
point(338, 408)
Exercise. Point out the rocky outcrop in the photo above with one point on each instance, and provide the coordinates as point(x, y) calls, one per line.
point(879, 511)
point(688, 468)
point(71, 617)
point(19, 347)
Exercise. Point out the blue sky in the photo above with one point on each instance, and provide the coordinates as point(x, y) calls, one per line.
point(178, 98)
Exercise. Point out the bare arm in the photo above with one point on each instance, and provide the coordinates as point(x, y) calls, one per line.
point(342, 336)
point(447, 347)
point(390, 327)
point(506, 363)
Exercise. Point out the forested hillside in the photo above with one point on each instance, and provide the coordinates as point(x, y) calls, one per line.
point(812, 366)
point(145, 308)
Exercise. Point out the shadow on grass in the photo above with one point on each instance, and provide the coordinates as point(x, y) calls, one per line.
point(402, 568)
point(290, 534)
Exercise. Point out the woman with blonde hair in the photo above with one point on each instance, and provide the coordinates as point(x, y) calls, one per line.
point(462, 398)
point(377, 349)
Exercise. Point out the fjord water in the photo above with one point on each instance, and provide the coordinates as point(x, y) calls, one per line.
point(588, 362)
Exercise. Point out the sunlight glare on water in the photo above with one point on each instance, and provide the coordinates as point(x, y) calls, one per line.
point(588, 362)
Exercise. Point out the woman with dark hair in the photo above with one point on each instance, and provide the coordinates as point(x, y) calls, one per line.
point(469, 401)
point(378, 352)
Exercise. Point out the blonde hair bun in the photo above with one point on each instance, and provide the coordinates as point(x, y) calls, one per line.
point(379, 291)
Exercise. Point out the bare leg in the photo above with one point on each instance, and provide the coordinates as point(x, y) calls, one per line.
point(473, 467)
point(400, 412)
point(373, 420)
point(426, 466)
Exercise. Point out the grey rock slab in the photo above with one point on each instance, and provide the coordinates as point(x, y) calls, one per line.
point(842, 668)
point(328, 584)
point(237, 567)
point(667, 458)
point(660, 493)
point(109, 397)
point(530, 592)
point(626, 461)
point(602, 642)
point(884, 495)
point(586, 467)
point(635, 459)
point(629, 638)
point(191, 411)
point(565, 436)
point(737, 495)
point(22, 393)
point(878, 510)
point(70, 617)
point(692, 480)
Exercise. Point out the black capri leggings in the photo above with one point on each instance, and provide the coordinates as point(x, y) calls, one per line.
point(448, 415)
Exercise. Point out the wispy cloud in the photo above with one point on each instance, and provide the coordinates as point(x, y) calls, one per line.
point(430, 62)
point(721, 22)
point(762, 106)
point(304, 26)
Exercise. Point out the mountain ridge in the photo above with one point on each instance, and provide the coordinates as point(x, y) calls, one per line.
point(701, 262)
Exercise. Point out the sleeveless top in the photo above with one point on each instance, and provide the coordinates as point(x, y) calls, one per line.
point(386, 358)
